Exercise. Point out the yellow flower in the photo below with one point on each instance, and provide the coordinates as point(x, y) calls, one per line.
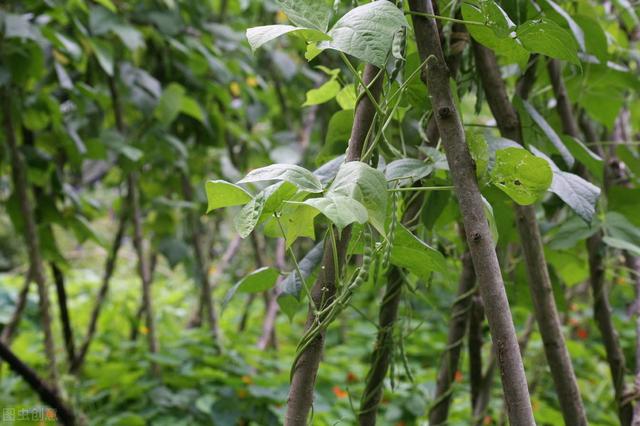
point(252, 81)
point(234, 87)
point(281, 17)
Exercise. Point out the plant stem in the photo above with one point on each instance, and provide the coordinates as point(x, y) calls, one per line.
point(47, 393)
point(443, 18)
point(595, 248)
point(323, 291)
point(479, 239)
point(32, 239)
point(109, 269)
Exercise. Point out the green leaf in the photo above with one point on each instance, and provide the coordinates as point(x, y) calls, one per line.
point(491, 218)
point(521, 175)
point(338, 134)
point(299, 176)
point(494, 37)
point(107, 4)
point(622, 245)
point(257, 36)
point(561, 17)
point(340, 210)
point(347, 97)
point(551, 134)
point(576, 192)
point(296, 221)
point(409, 169)
point(630, 158)
point(322, 94)
point(19, 26)
point(191, 107)
point(594, 37)
point(262, 206)
point(367, 32)
point(548, 38)
point(479, 152)
point(170, 104)
point(365, 184)
point(225, 194)
point(259, 280)
point(307, 13)
point(588, 158)
point(104, 54)
point(291, 287)
point(618, 227)
point(570, 232)
point(409, 252)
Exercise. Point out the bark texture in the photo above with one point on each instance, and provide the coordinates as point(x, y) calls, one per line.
point(479, 239)
point(323, 291)
point(544, 304)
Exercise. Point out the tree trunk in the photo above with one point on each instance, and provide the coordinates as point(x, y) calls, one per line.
point(595, 248)
point(67, 331)
point(109, 269)
point(31, 237)
point(323, 291)
point(539, 282)
point(480, 241)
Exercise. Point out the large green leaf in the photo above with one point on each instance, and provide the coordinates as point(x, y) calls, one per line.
point(548, 38)
point(367, 32)
point(307, 13)
point(296, 175)
point(262, 206)
point(407, 170)
point(493, 35)
point(259, 280)
point(594, 37)
point(257, 36)
point(340, 210)
point(170, 104)
point(549, 132)
point(521, 175)
point(104, 55)
point(621, 233)
point(291, 287)
point(295, 220)
point(365, 184)
point(338, 133)
point(561, 17)
point(322, 94)
point(578, 193)
point(225, 194)
point(588, 158)
point(408, 251)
